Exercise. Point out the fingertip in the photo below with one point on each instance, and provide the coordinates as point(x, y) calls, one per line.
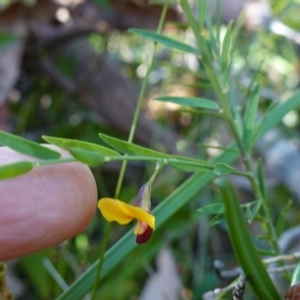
point(45, 207)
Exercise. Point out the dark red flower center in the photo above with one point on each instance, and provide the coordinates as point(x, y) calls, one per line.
point(145, 236)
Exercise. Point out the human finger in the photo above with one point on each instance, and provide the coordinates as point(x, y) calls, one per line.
point(45, 206)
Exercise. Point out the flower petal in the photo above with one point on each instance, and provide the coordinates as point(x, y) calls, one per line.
point(141, 215)
point(115, 210)
point(143, 238)
point(143, 198)
point(123, 213)
point(140, 227)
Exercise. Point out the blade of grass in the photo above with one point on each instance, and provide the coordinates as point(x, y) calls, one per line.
point(243, 246)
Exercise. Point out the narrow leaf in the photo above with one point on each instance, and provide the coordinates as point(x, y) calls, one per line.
point(216, 220)
point(243, 246)
point(67, 144)
point(164, 40)
point(15, 169)
point(90, 158)
point(276, 114)
point(129, 148)
point(190, 101)
point(225, 53)
point(27, 147)
point(296, 275)
point(261, 181)
point(281, 222)
point(212, 209)
point(252, 211)
point(222, 169)
point(249, 119)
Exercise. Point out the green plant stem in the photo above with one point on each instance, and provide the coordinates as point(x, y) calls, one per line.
point(140, 99)
point(221, 93)
point(158, 168)
point(166, 161)
point(130, 138)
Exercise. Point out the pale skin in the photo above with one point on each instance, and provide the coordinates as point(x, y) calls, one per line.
point(44, 207)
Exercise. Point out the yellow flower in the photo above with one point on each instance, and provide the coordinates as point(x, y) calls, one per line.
point(123, 213)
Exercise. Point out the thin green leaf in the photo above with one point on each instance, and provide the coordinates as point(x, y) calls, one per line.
point(206, 57)
point(212, 42)
point(225, 53)
point(261, 181)
point(212, 209)
point(252, 210)
point(221, 169)
point(67, 144)
point(281, 222)
point(129, 148)
point(90, 158)
point(15, 169)
point(266, 113)
point(243, 246)
point(190, 101)
point(164, 40)
point(249, 119)
point(296, 275)
point(216, 220)
point(248, 90)
point(218, 19)
point(27, 147)
point(277, 113)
